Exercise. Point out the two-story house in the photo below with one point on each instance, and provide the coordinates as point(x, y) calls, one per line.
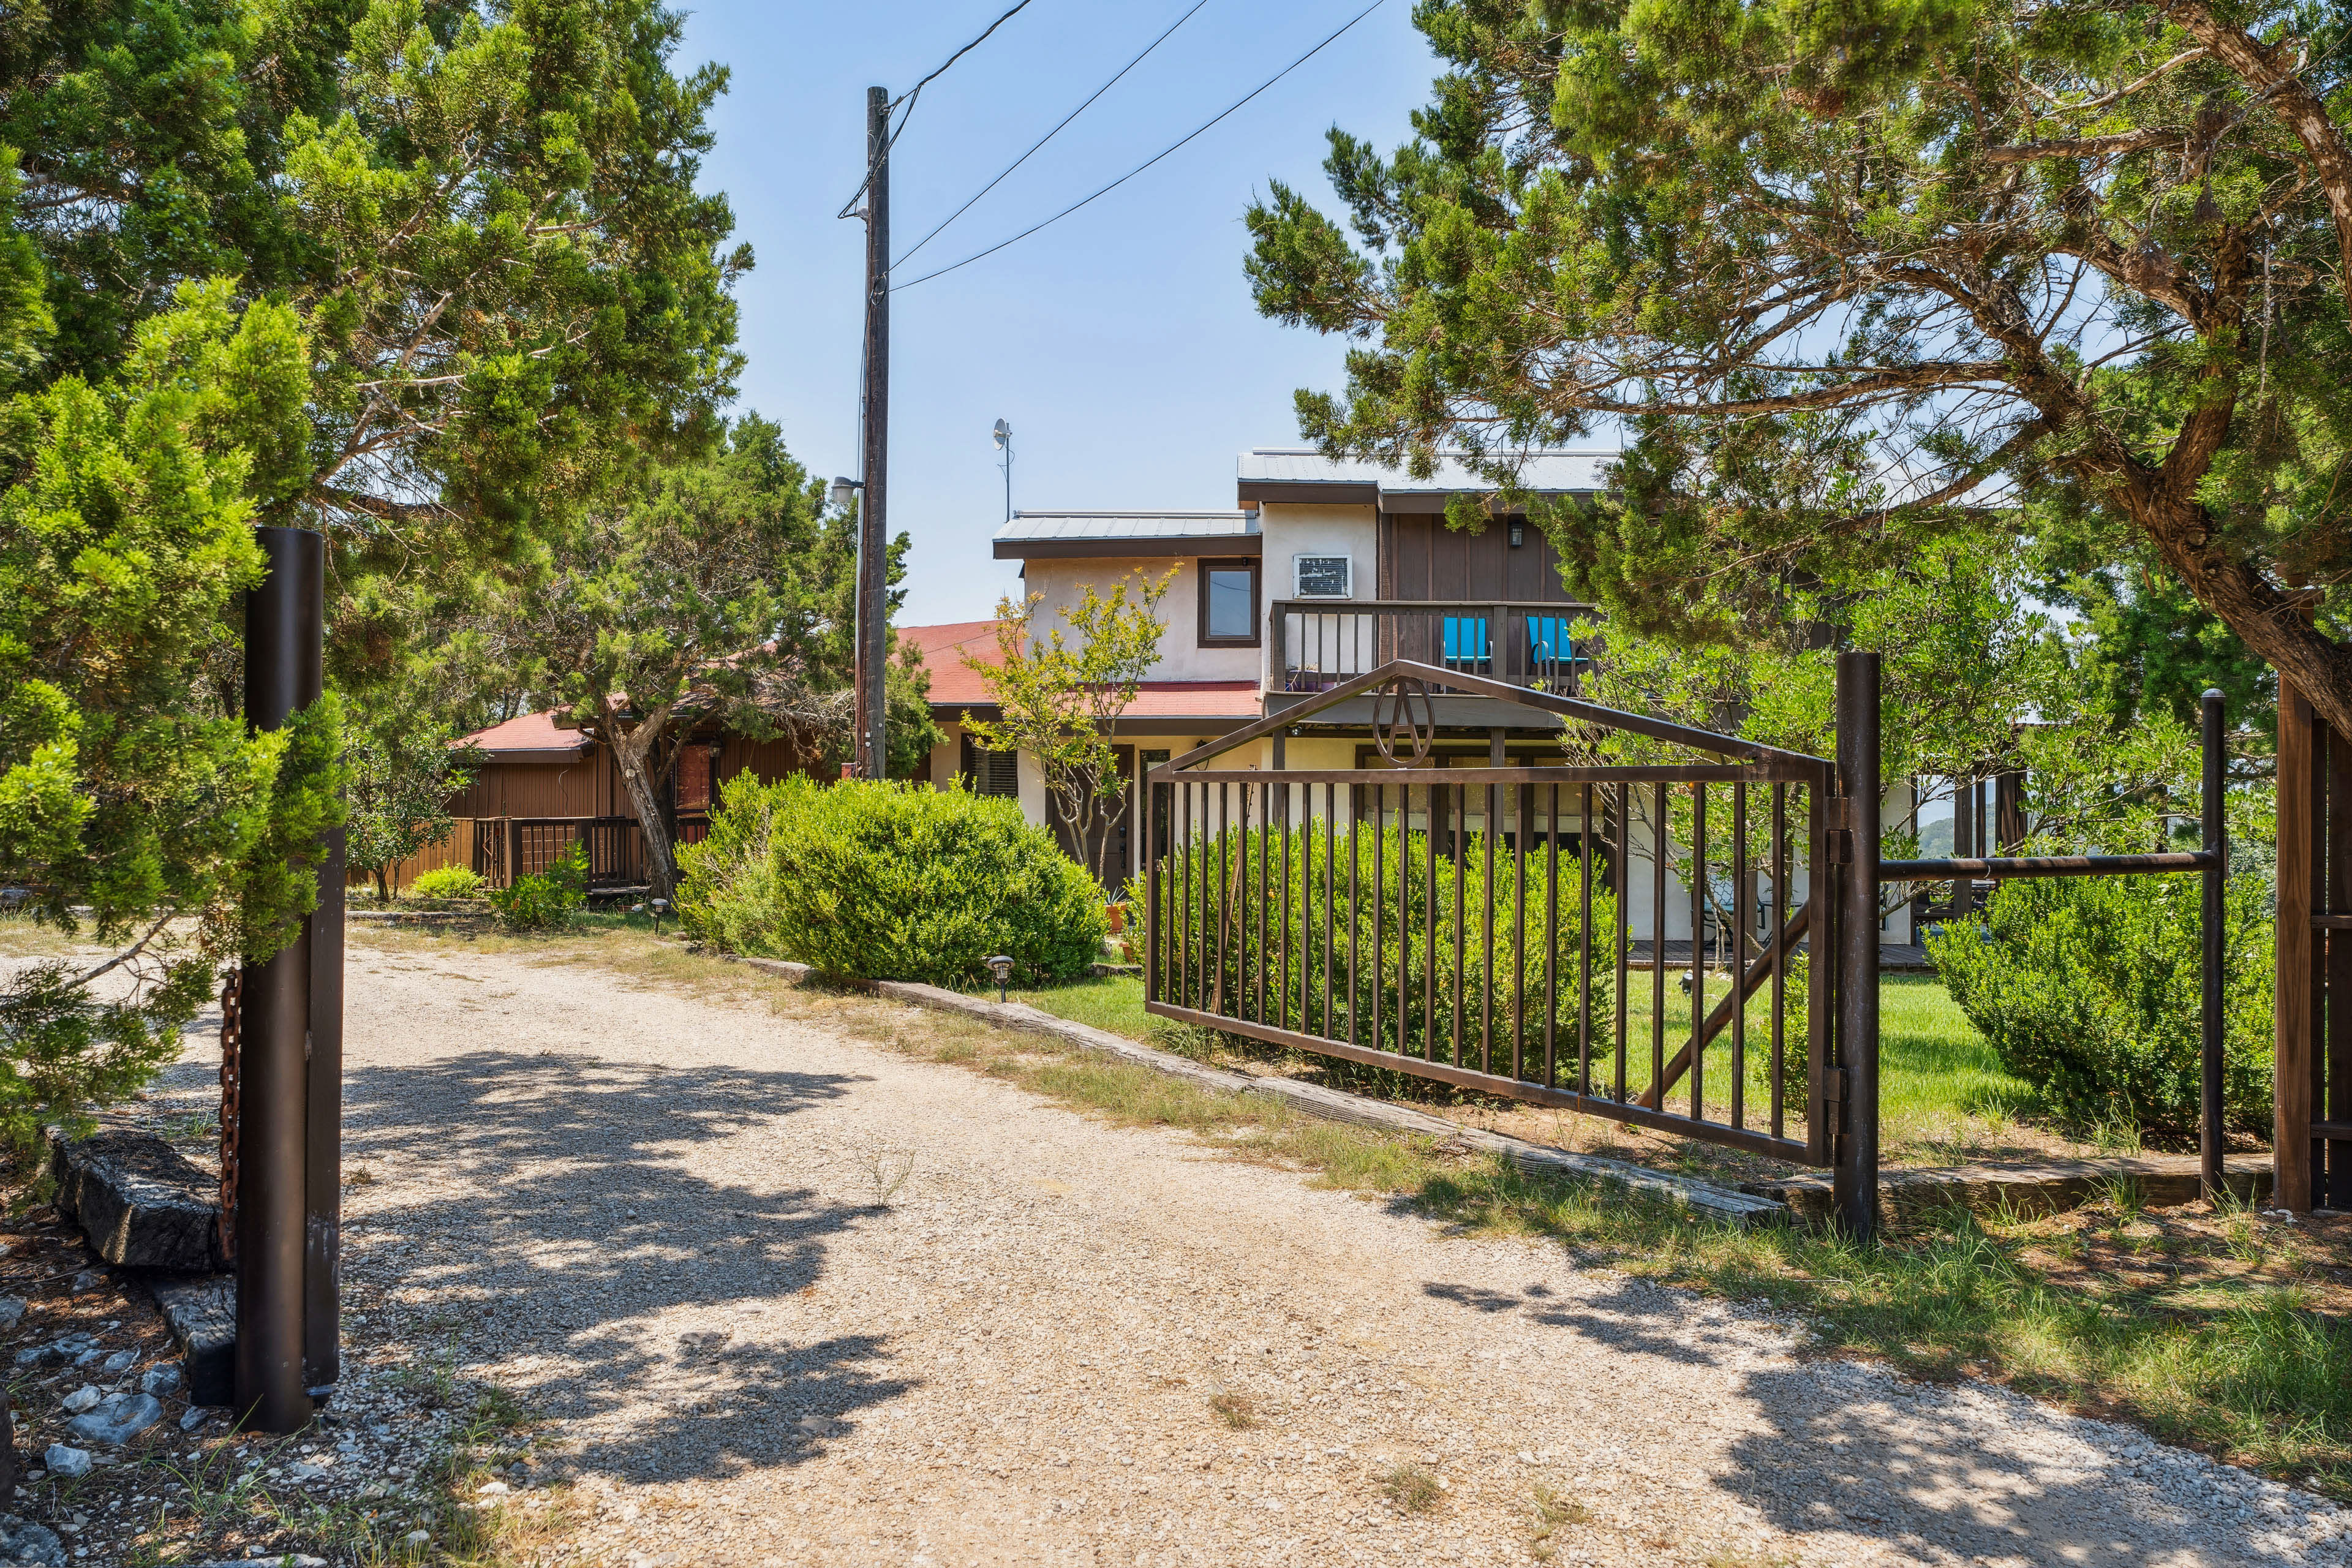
point(1323, 571)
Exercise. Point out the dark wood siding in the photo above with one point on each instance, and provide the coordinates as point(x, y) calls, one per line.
point(1421, 558)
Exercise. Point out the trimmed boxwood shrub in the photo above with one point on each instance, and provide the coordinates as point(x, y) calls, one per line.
point(2088, 989)
point(446, 882)
point(870, 880)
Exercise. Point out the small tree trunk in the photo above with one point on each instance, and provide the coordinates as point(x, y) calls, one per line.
point(630, 752)
point(382, 888)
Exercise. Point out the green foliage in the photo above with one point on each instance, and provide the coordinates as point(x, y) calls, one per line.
point(446, 882)
point(1058, 697)
point(1247, 928)
point(715, 592)
point(1857, 279)
point(2088, 989)
point(545, 900)
point(484, 217)
point(402, 772)
point(888, 881)
point(67, 1049)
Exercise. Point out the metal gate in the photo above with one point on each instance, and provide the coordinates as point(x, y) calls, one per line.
point(1477, 925)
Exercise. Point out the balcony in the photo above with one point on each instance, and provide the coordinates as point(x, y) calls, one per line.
point(1314, 645)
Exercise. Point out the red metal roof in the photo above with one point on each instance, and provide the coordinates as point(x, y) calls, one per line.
point(533, 732)
point(1195, 700)
point(954, 685)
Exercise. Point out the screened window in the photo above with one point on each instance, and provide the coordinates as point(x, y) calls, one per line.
point(1229, 603)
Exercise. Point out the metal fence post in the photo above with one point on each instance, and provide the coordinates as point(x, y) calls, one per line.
point(2214, 841)
point(322, 1268)
point(1855, 1170)
point(283, 624)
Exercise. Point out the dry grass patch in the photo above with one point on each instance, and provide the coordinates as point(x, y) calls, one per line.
point(1409, 1489)
point(1238, 1411)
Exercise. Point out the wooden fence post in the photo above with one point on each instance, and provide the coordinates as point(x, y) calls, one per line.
point(2299, 976)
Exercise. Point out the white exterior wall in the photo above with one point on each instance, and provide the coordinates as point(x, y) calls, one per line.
point(1331, 645)
point(1290, 531)
point(947, 757)
point(1181, 655)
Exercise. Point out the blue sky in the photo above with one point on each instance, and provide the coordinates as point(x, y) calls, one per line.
point(1120, 343)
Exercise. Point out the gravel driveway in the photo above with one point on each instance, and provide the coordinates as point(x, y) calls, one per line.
point(658, 1219)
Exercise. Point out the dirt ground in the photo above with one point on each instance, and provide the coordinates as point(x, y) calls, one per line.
point(779, 1296)
point(763, 1291)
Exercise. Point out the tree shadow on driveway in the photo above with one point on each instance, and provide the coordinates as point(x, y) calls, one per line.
point(1945, 1474)
point(544, 1207)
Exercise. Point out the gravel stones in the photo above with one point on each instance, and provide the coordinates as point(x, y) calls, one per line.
point(165, 1381)
point(651, 1216)
point(65, 1461)
point(81, 1399)
point(28, 1543)
point(118, 1419)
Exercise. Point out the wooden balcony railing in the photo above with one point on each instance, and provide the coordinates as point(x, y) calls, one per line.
point(1312, 645)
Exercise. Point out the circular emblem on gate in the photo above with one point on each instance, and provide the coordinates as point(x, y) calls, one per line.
point(1395, 719)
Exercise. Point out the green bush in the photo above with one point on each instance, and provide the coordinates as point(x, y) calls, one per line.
point(2088, 988)
point(446, 882)
point(545, 900)
point(1254, 886)
point(888, 881)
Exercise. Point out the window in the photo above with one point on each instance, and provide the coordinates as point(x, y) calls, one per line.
point(1319, 577)
point(991, 772)
point(1228, 604)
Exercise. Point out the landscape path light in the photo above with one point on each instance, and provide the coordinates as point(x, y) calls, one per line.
point(1002, 967)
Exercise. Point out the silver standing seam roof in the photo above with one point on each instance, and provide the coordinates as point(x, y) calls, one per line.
point(1045, 525)
point(1548, 472)
point(1032, 535)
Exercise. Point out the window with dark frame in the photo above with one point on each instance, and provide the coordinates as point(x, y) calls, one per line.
point(991, 773)
point(1228, 593)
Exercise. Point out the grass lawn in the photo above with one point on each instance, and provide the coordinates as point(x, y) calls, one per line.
point(1943, 1095)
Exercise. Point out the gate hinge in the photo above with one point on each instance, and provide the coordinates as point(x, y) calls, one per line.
point(1837, 846)
point(1833, 1086)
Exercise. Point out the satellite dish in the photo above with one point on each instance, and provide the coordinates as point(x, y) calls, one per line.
point(1004, 435)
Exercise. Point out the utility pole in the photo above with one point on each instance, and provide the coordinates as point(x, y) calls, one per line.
point(873, 538)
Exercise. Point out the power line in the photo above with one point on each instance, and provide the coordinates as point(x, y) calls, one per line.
point(1049, 135)
point(1018, 6)
point(1155, 158)
point(909, 97)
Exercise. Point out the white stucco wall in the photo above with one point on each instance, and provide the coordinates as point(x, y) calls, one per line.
point(1290, 531)
point(947, 756)
point(1181, 657)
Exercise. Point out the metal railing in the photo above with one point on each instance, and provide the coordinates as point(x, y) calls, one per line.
point(1314, 645)
point(505, 847)
point(1477, 925)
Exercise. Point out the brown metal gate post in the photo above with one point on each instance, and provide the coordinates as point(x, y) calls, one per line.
point(2213, 841)
point(283, 621)
point(1854, 1172)
point(2298, 1002)
point(322, 1230)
